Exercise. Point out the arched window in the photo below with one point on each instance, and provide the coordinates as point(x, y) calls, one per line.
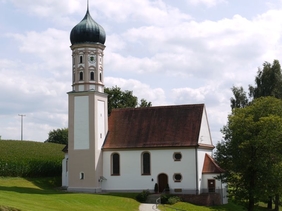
point(80, 59)
point(146, 163)
point(92, 75)
point(73, 76)
point(81, 76)
point(115, 164)
point(100, 76)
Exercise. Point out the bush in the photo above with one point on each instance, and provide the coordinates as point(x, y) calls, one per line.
point(169, 199)
point(142, 197)
point(164, 198)
point(173, 199)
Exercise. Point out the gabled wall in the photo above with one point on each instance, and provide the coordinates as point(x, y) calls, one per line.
point(205, 135)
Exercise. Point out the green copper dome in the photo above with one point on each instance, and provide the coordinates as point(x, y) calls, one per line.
point(87, 31)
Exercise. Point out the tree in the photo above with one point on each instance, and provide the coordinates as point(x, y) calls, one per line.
point(123, 99)
point(268, 81)
point(59, 136)
point(250, 152)
point(240, 99)
point(144, 103)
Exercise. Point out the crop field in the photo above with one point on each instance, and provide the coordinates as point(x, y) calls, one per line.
point(30, 159)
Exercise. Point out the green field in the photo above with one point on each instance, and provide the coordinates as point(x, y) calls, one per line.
point(30, 159)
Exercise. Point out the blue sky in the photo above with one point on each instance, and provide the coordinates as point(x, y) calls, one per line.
point(167, 52)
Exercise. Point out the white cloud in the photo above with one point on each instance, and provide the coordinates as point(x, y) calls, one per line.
point(154, 47)
point(208, 3)
point(141, 90)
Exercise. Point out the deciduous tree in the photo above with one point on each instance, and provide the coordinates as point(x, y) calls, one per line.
point(268, 81)
point(59, 136)
point(239, 99)
point(250, 151)
point(123, 99)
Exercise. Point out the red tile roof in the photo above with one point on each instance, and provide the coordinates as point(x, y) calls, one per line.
point(210, 166)
point(162, 126)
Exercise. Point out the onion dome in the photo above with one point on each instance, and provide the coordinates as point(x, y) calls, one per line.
point(87, 31)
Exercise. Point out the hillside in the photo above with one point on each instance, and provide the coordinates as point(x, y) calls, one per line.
point(30, 159)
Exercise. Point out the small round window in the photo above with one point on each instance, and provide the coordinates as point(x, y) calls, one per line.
point(177, 156)
point(177, 177)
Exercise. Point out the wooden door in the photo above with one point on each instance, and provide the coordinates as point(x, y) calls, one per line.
point(162, 182)
point(211, 185)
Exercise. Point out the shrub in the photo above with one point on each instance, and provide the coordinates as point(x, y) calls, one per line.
point(169, 199)
point(173, 199)
point(142, 197)
point(164, 198)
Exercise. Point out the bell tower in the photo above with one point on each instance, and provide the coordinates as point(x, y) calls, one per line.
point(88, 106)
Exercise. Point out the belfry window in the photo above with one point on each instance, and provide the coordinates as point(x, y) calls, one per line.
point(146, 163)
point(92, 75)
point(115, 164)
point(81, 76)
point(100, 76)
point(80, 59)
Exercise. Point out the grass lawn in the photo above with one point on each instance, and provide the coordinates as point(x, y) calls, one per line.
point(28, 195)
point(182, 206)
point(40, 194)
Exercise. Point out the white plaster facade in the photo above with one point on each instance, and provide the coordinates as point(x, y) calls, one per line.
point(131, 178)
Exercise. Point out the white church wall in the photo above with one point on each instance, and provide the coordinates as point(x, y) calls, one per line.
point(162, 161)
point(81, 122)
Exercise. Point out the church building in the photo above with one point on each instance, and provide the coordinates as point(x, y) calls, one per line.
point(132, 149)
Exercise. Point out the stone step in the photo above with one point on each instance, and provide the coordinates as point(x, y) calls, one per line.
point(152, 198)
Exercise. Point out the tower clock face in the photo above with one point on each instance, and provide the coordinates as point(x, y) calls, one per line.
point(92, 59)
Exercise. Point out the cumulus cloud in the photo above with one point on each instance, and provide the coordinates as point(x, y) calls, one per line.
point(154, 47)
point(141, 90)
point(208, 3)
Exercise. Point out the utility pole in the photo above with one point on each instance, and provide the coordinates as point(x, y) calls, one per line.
point(21, 115)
